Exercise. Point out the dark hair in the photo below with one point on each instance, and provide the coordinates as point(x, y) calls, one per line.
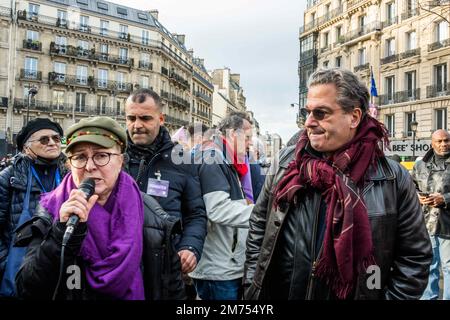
point(140, 95)
point(234, 120)
point(351, 92)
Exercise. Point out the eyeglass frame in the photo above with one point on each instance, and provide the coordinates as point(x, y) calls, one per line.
point(92, 157)
point(53, 137)
point(316, 111)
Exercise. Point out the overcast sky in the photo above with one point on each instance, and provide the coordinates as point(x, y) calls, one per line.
point(256, 38)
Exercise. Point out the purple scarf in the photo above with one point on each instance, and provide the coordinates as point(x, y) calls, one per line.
point(113, 246)
point(246, 181)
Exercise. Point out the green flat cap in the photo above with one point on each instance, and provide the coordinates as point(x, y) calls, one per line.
point(102, 131)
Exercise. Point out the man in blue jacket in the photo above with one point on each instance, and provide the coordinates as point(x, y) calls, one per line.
point(175, 186)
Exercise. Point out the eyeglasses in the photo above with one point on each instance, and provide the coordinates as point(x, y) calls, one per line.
point(44, 140)
point(100, 159)
point(317, 114)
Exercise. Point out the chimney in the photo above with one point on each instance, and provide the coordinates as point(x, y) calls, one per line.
point(181, 38)
point(236, 77)
point(154, 14)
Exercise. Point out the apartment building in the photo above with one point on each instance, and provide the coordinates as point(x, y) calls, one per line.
point(405, 43)
point(202, 92)
point(83, 58)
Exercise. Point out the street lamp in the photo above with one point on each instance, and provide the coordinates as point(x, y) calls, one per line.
point(414, 125)
point(31, 93)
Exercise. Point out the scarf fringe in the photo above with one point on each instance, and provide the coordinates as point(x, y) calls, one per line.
point(332, 278)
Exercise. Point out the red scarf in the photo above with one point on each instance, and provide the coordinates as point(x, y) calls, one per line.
point(241, 168)
point(347, 246)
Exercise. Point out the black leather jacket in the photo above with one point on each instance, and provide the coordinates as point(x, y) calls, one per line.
point(402, 246)
point(38, 275)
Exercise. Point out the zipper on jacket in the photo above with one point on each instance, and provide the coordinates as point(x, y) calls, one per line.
point(309, 290)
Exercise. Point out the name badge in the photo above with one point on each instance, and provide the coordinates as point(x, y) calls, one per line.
point(158, 188)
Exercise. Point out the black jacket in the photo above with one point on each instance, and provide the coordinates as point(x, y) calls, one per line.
point(285, 243)
point(430, 177)
point(38, 275)
point(13, 186)
point(184, 199)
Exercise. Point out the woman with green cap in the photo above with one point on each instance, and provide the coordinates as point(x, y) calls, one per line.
point(121, 245)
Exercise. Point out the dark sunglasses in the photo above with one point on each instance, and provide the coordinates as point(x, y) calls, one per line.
point(46, 139)
point(317, 114)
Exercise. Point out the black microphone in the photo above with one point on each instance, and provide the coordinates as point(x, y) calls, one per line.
point(88, 188)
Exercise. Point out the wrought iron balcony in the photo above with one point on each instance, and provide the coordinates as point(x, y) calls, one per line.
point(410, 53)
point(165, 94)
point(437, 90)
point(408, 95)
point(410, 13)
point(143, 64)
point(179, 79)
point(175, 121)
point(389, 22)
point(375, 26)
point(361, 67)
point(203, 96)
point(26, 74)
point(439, 45)
point(32, 45)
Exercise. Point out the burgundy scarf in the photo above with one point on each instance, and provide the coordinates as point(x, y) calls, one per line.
point(347, 246)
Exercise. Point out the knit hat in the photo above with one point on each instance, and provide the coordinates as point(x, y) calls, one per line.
point(102, 131)
point(34, 126)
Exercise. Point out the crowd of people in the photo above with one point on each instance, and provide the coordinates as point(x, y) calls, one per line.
point(204, 219)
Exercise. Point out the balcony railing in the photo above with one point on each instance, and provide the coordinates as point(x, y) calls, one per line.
point(201, 113)
point(389, 59)
point(410, 53)
point(439, 45)
point(178, 101)
point(385, 99)
point(80, 53)
point(408, 95)
point(410, 13)
point(179, 79)
point(32, 45)
point(5, 12)
point(95, 83)
point(30, 74)
point(203, 96)
point(310, 25)
point(371, 27)
point(361, 67)
point(165, 94)
point(437, 90)
point(326, 48)
point(143, 64)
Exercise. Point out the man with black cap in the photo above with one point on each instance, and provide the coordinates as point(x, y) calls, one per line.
point(38, 168)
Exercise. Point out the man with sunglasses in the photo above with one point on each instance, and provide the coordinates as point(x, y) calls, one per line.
point(37, 168)
point(337, 220)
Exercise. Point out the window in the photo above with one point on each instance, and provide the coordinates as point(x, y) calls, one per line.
point(121, 81)
point(84, 24)
point(145, 37)
point(145, 82)
point(31, 66)
point(101, 104)
point(390, 13)
point(440, 74)
point(327, 10)
point(325, 64)
point(60, 70)
point(123, 31)
point(339, 37)
point(313, 18)
point(338, 63)
point(411, 4)
point(122, 11)
point(440, 119)
point(361, 56)
point(306, 46)
point(325, 39)
point(82, 74)
point(80, 102)
point(33, 10)
point(104, 26)
point(389, 121)
point(83, 44)
point(120, 106)
point(62, 18)
point(411, 40)
point(390, 89)
point(32, 35)
point(85, 2)
point(390, 47)
point(361, 23)
point(58, 100)
point(410, 78)
point(142, 16)
point(442, 31)
point(102, 6)
point(409, 117)
point(102, 78)
point(61, 41)
point(123, 55)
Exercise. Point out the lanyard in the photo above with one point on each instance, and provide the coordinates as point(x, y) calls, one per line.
point(36, 176)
